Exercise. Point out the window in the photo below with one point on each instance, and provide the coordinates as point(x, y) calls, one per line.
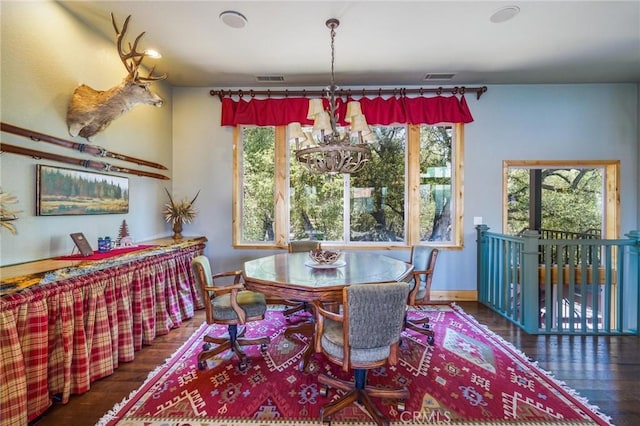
point(562, 199)
point(409, 193)
point(258, 183)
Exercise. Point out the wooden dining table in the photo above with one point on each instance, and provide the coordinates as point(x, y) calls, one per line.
point(294, 276)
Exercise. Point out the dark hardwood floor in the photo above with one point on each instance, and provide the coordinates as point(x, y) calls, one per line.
point(604, 370)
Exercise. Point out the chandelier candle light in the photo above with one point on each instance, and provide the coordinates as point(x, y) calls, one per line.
point(329, 150)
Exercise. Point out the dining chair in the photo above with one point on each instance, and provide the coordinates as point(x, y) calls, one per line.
point(303, 245)
point(423, 259)
point(298, 246)
point(363, 336)
point(228, 304)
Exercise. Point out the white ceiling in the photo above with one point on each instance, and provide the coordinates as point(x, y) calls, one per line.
point(381, 43)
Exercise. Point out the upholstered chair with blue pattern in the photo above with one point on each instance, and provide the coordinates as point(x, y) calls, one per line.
point(423, 259)
point(228, 304)
point(363, 336)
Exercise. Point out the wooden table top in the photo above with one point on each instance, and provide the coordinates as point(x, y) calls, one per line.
point(293, 275)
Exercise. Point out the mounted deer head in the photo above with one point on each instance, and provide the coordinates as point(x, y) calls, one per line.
point(91, 111)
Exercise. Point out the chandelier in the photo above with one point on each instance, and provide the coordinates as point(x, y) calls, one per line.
point(329, 149)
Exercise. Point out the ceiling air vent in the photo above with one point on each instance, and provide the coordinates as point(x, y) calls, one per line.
point(439, 76)
point(269, 78)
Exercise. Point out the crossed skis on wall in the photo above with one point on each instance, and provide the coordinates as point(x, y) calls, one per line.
point(94, 150)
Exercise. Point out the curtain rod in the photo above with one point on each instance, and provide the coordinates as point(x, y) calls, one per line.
point(349, 92)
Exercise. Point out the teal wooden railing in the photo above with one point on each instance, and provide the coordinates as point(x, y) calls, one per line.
point(568, 290)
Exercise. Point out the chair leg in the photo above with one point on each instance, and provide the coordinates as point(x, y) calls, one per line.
point(421, 326)
point(335, 383)
point(372, 409)
point(233, 341)
point(297, 307)
point(306, 328)
point(339, 404)
point(222, 345)
point(359, 391)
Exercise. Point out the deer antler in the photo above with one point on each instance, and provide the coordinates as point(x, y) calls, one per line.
point(133, 58)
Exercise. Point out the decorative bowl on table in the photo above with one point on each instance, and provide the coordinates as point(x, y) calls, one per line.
point(324, 257)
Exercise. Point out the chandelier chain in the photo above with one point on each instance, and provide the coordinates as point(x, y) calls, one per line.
point(333, 56)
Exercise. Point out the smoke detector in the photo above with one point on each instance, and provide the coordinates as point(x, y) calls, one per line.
point(233, 19)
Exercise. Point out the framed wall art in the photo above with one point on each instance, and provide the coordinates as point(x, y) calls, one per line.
point(62, 191)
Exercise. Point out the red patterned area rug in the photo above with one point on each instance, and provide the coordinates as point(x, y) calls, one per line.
point(470, 376)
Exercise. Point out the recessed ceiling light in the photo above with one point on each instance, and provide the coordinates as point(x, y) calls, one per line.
point(233, 19)
point(152, 54)
point(504, 14)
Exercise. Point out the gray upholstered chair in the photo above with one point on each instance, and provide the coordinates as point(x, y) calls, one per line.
point(365, 335)
point(297, 247)
point(423, 259)
point(303, 245)
point(231, 305)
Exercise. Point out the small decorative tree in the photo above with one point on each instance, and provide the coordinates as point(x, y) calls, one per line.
point(123, 232)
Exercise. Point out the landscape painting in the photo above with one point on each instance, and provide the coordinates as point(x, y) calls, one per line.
point(62, 191)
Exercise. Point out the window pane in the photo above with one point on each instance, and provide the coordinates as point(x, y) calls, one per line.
point(571, 201)
point(377, 193)
point(258, 181)
point(316, 203)
point(436, 203)
point(518, 201)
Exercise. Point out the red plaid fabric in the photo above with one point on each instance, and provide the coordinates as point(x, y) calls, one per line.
point(31, 324)
point(13, 377)
point(122, 333)
point(56, 339)
point(61, 335)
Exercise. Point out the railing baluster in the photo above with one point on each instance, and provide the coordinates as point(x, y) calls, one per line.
point(514, 283)
point(583, 288)
point(604, 300)
point(571, 289)
point(559, 287)
point(548, 288)
point(595, 291)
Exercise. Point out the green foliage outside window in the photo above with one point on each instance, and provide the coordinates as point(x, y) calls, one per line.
point(258, 177)
point(377, 194)
point(436, 205)
point(316, 206)
point(372, 205)
point(572, 200)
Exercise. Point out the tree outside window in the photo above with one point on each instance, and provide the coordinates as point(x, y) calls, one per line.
point(562, 199)
point(376, 207)
point(258, 182)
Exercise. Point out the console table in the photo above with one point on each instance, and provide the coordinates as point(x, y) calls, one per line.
point(65, 324)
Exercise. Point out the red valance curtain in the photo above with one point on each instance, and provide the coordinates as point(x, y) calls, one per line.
point(379, 111)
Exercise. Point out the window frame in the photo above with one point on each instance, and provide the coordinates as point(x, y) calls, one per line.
point(611, 207)
point(412, 200)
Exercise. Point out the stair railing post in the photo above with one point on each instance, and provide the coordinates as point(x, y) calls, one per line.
point(529, 281)
point(634, 275)
point(482, 284)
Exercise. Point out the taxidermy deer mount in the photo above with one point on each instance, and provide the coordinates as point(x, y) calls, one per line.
point(90, 111)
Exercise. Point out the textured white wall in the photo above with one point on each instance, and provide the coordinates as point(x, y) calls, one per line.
point(45, 54)
point(511, 123)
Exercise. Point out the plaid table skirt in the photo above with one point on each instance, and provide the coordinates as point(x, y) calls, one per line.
point(58, 338)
